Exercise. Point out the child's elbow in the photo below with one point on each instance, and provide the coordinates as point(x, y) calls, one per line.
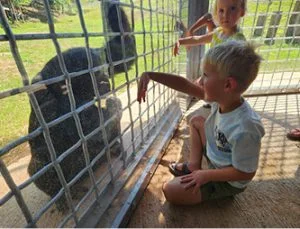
point(245, 175)
point(249, 176)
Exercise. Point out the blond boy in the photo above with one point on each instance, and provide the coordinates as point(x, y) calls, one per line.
point(230, 137)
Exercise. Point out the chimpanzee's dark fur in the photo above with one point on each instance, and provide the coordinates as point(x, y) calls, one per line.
point(54, 102)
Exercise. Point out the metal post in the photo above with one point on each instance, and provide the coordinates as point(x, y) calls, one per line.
point(196, 10)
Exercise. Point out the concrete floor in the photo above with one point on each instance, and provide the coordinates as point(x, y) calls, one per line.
point(271, 200)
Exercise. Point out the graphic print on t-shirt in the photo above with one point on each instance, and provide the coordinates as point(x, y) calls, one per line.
point(221, 141)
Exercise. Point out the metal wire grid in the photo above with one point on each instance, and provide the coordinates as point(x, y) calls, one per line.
point(156, 107)
point(279, 71)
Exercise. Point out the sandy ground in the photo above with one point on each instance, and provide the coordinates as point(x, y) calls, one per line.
point(271, 200)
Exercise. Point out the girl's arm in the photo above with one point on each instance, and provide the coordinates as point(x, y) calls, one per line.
point(192, 41)
point(196, 40)
point(173, 81)
point(202, 21)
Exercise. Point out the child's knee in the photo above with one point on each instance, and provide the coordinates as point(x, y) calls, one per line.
point(165, 189)
point(168, 193)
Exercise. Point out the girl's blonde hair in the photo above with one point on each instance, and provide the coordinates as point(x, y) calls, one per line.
point(236, 59)
point(215, 9)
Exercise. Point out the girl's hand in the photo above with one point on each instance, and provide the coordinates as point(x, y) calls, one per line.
point(188, 33)
point(195, 179)
point(142, 87)
point(176, 48)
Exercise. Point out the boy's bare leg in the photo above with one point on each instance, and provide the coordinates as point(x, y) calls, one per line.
point(197, 141)
point(173, 190)
point(175, 193)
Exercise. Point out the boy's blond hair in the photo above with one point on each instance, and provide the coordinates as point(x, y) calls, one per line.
point(236, 59)
point(215, 8)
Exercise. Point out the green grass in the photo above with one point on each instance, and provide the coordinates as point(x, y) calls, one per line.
point(14, 110)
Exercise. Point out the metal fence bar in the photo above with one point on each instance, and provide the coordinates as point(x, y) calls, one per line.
point(96, 91)
point(46, 36)
point(136, 79)
point(266, 62)
point(170, 42)
point(127, 84)
point(256, 10)
point(112, 69)
point(161, 87)
point(150, 9)
point(43, 83)
point(152, 57)
point(19, 141)
point(145, 60)
point(281, 45)
point(298, 55)
point(158, 53)
point(295, 64)
point(72, 103)
point(274, 30)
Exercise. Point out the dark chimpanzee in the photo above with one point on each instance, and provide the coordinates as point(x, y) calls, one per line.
point(54, 103)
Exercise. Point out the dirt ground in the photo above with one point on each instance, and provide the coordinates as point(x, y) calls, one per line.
point(271, 200)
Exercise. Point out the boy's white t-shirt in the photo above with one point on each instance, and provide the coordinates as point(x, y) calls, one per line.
point(234, 139)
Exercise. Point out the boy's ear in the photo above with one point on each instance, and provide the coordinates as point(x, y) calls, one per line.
point(230, 84)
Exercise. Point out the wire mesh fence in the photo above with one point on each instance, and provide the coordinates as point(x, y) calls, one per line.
point(274, 26)
point(69, 114)
point(68, 90)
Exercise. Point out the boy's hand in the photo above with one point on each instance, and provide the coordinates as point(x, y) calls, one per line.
point(142, 87)
point(195, 179)
point(176, 48)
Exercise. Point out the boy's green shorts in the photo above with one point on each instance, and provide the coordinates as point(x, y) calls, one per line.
point(217, 190)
